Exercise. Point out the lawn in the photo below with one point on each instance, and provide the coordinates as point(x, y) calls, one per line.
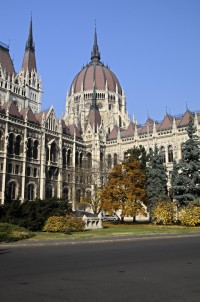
point(116, 229)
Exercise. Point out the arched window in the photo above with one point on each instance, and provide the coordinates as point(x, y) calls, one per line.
point(69, 157)
point(162, 153)
point(115, 159)
point(64, 158)
point(11, 143)
point(35, 149)
point(31, 192)
point(170, 154)
point(53, 152)
point(29, 148)
point(109, 161)
point(89, 160)
point(12, 190)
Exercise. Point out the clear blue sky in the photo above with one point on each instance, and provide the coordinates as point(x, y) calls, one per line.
point(153, 47)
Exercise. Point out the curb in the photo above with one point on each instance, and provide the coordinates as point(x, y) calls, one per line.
point(62, 242)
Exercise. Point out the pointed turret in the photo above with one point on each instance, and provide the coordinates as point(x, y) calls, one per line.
point(29, 61)
point(95, 55)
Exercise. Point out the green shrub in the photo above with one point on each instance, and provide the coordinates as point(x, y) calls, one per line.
point(33, 214)
point(9, 232)
point(190, 215)
point(64, 224)
point(164, 213)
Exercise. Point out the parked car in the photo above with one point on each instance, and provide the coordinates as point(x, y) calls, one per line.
point(106, 217)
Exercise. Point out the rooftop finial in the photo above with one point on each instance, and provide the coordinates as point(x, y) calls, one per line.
point(95, 55)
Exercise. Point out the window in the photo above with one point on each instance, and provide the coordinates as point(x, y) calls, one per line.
point(35, 150)
point(69, 157)
point(31, 192)
point(162, 153)
point(89, 160)
point(29, 148)
point(76, 158)
point(9, 168)
point(1, 140)
point(49, 192)
point(115, 159)
point(17, 145)
point(78, 195)
point(12, 190)
point(170, 154)
point(53, 152)
point(120, 121)
point(35, 172)
point(109, 161)
point(10, 143)
point(80, 160)
point(64, 158)
point(65, 193)
point(17, 169)
point(28, 171)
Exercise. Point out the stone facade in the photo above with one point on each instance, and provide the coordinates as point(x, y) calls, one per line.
point(42, 156)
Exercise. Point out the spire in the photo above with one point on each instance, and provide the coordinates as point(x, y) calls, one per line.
point(29, 61)
point(30, 44)
point(95, 55)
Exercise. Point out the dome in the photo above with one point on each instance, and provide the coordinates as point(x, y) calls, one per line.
point(95, 72)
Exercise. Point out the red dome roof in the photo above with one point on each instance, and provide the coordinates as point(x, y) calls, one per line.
point(98, 73)
point(95, 72)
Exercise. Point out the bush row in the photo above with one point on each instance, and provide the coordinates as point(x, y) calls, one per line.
point(32, 214)
point(167, 213)
point(9, 232)
point(64, 224)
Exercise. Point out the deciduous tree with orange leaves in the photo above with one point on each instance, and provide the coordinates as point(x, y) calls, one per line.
point(125, 190)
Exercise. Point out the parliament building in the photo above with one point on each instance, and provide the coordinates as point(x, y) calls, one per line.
point(42, 156)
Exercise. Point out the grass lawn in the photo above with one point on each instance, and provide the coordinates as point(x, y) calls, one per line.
point(117, 229)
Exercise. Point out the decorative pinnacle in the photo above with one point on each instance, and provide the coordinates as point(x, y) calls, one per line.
point(95, 55)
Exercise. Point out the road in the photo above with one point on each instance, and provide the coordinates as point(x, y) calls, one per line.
point(140, 271)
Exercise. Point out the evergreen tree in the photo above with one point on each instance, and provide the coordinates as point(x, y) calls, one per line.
point(139, 154)
point(186, 173)
point(156, 179)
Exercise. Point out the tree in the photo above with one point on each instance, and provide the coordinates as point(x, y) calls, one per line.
point(186, 173)
point(139, 154)
point(156, 179)
point(125, 190)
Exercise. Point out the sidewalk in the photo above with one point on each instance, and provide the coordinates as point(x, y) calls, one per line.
point(97, 240)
